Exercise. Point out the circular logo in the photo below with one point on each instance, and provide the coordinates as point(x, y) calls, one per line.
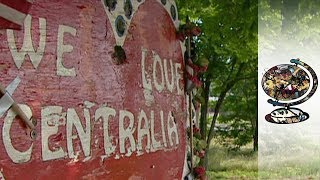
point(285, 82)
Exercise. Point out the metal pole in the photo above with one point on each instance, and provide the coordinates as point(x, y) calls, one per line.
point(191, 131)
point(18, 110)
point(190, 102)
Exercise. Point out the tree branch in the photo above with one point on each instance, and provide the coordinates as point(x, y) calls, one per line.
point(231, 70)
point(221, 98)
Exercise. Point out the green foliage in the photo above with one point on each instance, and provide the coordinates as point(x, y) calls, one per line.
point(239, 114)
point(229, 30)
point(228, 44)
point(199, 144)
point(291, 20)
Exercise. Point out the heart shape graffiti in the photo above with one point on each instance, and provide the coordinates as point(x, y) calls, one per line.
point(121, 13)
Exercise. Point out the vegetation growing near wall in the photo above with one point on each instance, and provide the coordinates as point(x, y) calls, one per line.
point(226, 164)
point(229, 43)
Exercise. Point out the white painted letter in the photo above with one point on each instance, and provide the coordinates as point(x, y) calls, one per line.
point(179, 77)
point(172, 129)
point(143, 131)
point(50, 117)
point(62, 48)
point(170, 86)
point(15, 155)
point(27, 47)
point(105, 113)
point(157, 60)
point(164, 139)
point(85, 137)
point(155, 144)
point(146, 83)
point(126, 133)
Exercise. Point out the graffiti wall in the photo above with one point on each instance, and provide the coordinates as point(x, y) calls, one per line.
point(97, 117)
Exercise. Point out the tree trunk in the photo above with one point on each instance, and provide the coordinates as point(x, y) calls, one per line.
point(255, 136)
point(204, 116)
point(204, 109)
point(230, 83)
point(214, 119)
point(216, 112)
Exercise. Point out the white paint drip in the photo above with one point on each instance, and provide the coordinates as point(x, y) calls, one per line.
point(117, 156)
point(86, 159)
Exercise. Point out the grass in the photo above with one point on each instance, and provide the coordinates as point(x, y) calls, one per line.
point(292, 169)
point(281, 163)
point(224, 164)
point(301, 160)
point(284, 167)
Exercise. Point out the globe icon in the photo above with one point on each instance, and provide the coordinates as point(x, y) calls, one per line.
point(289, 85)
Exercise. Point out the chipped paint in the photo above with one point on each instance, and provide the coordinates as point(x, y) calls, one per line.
point(1, 175)
point(87, 159)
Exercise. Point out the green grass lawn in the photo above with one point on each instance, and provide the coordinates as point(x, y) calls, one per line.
point(224, 164)
point(294, 160)
point(243, 164)
point(299, 167)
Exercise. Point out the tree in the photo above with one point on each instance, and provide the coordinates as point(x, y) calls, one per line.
point(288, 20)
point(229, 43)
point(239, 112)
